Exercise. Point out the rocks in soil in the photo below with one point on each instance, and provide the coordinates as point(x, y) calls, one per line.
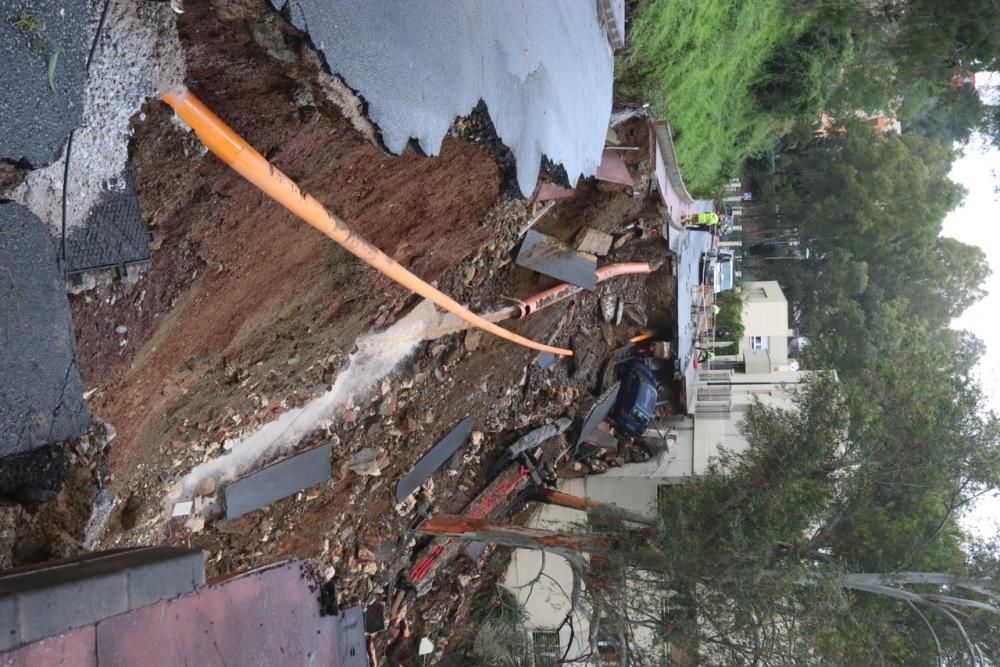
point(472, 339)
point(609, 304)
point(205, 487)
point(368, 462)
point(594, 241)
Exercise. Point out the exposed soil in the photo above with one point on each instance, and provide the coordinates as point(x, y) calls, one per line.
point(245, 311)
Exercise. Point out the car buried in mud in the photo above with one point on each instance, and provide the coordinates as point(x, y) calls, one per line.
point(636, 402)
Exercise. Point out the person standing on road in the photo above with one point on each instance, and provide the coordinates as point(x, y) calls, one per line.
point(705, 222)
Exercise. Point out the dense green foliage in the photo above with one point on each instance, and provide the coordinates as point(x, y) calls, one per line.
point(698, 63)
point(730, 317)
point(733, 76)
point(800, 75)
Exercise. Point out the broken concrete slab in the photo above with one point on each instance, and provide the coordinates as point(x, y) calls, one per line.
point(599, 412)
point(613, 169)
point(433, 459)
point(554, 258)
point(278, 480)
point(601, 437)
point(368, 462)
point(475, 549)
point(546, 360)
point(594, 241)
point(41, 395)
point(550, 192)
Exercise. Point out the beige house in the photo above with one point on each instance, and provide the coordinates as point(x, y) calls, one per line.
point(764, 347)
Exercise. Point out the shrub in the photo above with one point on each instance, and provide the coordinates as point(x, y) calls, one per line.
point(799, 77)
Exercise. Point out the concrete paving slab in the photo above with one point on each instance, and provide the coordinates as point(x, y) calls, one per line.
point(614, 170)
point(554, 258)
point(37, 117)
point(76, 648)
point(41, 395)
point(278, 480)
point(434, 459)
point(114, 234)
point(543, 68)
point(598, 413)
point(266, 617)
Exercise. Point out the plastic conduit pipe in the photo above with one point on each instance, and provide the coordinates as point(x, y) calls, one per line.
point(565, 290)
point(241, 156)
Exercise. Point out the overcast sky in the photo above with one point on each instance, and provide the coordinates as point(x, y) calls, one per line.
point(976, 223)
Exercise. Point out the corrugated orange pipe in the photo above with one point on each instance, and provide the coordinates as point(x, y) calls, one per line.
point(241, 156)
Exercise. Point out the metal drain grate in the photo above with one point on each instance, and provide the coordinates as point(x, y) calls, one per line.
point(113, 235)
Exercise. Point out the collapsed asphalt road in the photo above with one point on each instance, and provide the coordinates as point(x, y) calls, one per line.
point(41, 397)
point(419, 65)
point(43, 46)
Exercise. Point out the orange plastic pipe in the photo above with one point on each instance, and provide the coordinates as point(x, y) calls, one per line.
point(241, 156)
point(565, 290)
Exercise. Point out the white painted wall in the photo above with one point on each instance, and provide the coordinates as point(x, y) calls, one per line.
point(547, 603)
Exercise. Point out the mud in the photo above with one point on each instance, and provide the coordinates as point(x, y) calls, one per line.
point(247, 314)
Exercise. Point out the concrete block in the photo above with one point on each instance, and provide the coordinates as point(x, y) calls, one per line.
point(10, 635)
point(554, 258)
point(50, 611)
point(166, 579)
point(278, 481)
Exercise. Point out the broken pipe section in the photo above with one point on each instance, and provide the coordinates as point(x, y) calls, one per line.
point(241, 156)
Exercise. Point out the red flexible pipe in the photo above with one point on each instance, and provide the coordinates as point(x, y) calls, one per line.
point(565, 290)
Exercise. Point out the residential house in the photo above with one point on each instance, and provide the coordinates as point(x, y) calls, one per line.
point(764, 347)
point(759, 371)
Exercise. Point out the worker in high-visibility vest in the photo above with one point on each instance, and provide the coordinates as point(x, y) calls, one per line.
point(704, 221)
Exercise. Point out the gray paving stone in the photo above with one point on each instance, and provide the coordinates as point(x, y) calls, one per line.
point(278, 481)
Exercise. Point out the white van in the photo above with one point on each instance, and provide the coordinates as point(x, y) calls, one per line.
point(717, 270)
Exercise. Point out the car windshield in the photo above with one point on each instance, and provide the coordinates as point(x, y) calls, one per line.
point(725, 274)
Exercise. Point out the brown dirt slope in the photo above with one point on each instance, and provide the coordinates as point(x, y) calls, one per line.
point(236, 277)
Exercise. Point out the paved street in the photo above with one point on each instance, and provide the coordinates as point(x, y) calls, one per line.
point(542, 67)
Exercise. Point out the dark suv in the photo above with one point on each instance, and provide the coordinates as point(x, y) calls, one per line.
point(637, 396)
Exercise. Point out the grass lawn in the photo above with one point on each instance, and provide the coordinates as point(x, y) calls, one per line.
point(696, 62)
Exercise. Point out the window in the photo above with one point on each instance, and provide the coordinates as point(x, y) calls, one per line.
point(758, 342)
point(545, 644)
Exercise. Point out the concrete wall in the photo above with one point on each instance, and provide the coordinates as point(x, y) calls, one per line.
point(47, 600)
